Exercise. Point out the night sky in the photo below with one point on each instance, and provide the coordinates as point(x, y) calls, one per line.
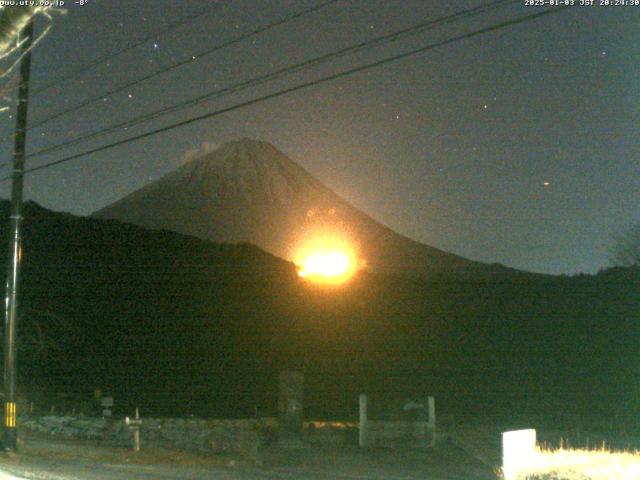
point(519, 146)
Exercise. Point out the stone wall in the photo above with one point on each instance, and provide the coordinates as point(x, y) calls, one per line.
point(194, 434)
point(390, 433)
point(243, 436)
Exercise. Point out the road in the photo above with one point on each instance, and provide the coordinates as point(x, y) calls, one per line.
point(55, 460)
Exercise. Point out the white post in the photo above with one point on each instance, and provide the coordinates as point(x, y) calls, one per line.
point(134, 425)
point(431, 425)
point(518, 452)
point(362, 438)
point(136, 433)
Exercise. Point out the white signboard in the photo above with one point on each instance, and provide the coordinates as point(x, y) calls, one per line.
point(518, 452)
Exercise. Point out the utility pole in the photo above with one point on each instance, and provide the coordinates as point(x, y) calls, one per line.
point(15, 247)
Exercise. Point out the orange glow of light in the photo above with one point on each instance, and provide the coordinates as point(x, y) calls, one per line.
point(326, 259)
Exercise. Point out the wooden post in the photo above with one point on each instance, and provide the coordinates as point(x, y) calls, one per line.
point(431, 425)
point(362, 437)
point(14, 258)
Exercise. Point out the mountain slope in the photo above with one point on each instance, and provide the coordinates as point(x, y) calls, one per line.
point(248, 191)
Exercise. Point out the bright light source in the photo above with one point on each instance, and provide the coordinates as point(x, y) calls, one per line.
point(326, 259)
point(325, 264)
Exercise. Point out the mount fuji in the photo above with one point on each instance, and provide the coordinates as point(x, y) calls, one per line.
point(249, 191)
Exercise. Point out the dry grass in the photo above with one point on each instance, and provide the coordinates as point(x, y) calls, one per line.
point(582, 464)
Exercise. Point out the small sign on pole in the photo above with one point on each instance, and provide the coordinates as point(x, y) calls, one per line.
point(134, 425)
point(291, 407)
point(107, 405)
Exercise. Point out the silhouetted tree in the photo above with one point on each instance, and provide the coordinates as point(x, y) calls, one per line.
point(626, 249)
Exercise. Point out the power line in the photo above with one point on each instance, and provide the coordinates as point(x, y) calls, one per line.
point(94, 63)
point(368, 44)
point(191, 59)
point(302, 86)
